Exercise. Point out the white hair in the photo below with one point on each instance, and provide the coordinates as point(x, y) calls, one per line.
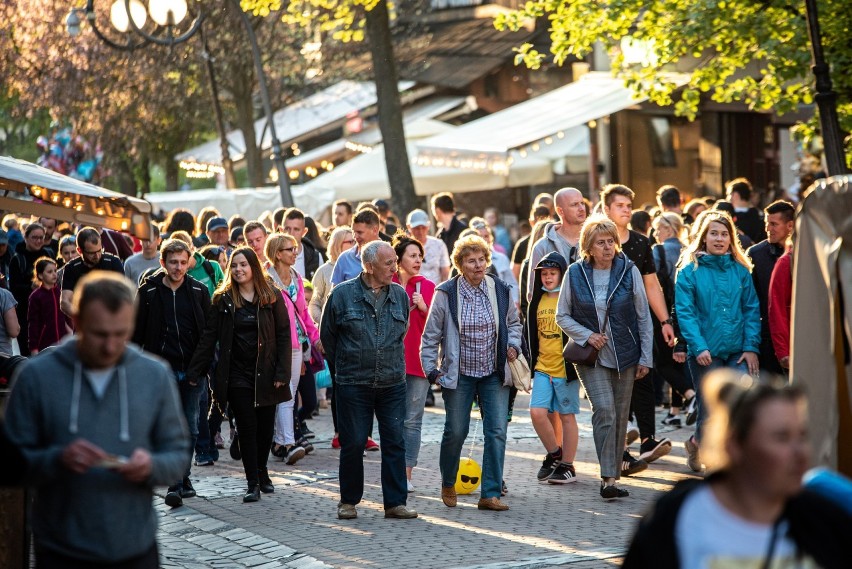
point(370, 252)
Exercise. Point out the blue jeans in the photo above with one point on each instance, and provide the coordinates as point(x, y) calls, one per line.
point(190, 400)
point(698, 372)
point(356, 405)
point(415, 403)
point(494, 407)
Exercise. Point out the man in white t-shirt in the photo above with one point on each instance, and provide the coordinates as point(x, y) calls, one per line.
point(436, 259)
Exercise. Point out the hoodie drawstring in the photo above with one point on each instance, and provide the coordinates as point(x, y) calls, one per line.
point(124, 402)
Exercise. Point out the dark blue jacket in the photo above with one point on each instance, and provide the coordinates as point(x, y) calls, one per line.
point(364, 347)
point(623, 324)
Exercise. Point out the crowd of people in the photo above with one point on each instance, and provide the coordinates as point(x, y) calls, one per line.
point(633, 307)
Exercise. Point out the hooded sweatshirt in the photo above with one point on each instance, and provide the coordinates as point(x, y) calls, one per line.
point(97, 516)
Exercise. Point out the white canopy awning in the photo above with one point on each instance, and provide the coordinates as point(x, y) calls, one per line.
point(486, 143)
point(365, 177)
point(308, 116)
point(248, 202)
point(45, 193)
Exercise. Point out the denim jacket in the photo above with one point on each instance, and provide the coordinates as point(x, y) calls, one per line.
point(364, 347)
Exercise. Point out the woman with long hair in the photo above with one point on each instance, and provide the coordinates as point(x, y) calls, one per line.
point(290, 442)
point(249, 322)
point(751, 510)
point(717, 308)
point(420, 290)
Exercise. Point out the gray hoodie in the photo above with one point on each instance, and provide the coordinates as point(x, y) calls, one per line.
point(97, 516)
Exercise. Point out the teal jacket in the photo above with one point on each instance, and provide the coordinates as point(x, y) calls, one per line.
point(717, 307)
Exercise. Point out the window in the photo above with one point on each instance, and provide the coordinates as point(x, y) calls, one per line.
point(662, 144)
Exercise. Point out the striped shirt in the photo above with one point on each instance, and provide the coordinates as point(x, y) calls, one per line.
point(478, 335)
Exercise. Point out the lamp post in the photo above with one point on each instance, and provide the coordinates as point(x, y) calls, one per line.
point(826, 98)
point(130, 17)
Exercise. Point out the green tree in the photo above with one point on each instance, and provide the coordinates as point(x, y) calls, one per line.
point(354, 21)
point(754, 52)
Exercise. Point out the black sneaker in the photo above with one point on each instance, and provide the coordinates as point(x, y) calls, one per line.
point(173, 499)
point(253, 493)
point(612, 491)
point(672, 421)
point(265, 484)
point(548, 465)
point(630, 465)
point(295, 453)
point(430, 399)
point(652, 449)
point(186, 489)
point(306, 432)
point(690, 407)
point(305, 444)
point(564, 473)
point(235, 448)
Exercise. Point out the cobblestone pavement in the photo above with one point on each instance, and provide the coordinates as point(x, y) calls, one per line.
point(547, 525)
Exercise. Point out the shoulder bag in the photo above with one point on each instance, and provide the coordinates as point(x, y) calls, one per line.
point(586, 355)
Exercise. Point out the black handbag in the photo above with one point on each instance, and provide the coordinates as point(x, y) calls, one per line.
point(586, 355)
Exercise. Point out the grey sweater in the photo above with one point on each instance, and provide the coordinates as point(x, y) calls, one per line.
point(97, 516)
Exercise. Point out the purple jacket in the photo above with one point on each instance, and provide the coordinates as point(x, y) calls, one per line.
point(46, 323)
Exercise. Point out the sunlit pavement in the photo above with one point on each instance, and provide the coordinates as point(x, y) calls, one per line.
point(297, 526)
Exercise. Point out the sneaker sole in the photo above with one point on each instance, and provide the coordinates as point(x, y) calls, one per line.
point(296, 457)
point(347, 516)
point(631, 437)
point(635, 469)
point(561, 480)
point(658, 451)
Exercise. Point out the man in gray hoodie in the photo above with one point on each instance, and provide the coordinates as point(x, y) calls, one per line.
point(99, 424)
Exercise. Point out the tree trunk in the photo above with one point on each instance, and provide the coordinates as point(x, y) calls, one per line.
point(245, 122)
point(171, 176)
point(123, 173)
point(390, 110)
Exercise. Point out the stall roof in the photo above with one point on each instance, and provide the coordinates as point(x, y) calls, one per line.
point(294, 122)
point(28, 188)
point(490, 139)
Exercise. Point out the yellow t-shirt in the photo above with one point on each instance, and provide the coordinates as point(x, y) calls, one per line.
point(550, 359)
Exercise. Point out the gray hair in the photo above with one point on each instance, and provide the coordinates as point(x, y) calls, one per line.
point(370, 252)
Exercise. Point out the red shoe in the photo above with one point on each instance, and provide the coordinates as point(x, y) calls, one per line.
point(335, 442)
point(372, 445)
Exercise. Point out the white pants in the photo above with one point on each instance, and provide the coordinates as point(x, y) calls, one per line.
point(284, 411)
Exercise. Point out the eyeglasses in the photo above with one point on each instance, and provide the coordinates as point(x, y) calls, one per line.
point(469, 479)
point(92, 253)
point(288, 249)
point(36, 237)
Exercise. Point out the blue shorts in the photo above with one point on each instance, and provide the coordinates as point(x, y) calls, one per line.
point(555, 394)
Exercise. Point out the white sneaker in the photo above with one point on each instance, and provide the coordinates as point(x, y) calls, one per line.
point(410, 486)
point(632, 433)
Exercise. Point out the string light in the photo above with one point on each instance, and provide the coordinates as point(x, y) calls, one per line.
point(358, 147)
point(199, 170)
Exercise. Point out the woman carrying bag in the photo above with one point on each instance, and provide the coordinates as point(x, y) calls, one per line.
point(604, 311)
point(249, 322)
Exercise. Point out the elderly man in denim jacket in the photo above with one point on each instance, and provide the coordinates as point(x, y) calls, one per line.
point(362, 330)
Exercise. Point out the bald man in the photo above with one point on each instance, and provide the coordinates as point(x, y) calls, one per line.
point(562, 237)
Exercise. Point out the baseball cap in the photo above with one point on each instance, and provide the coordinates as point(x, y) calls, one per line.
point(381, 205)
point(417, 218)
point(217, 223)
point(4, 237)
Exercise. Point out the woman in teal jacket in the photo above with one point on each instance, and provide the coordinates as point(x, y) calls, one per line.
point(717, 309)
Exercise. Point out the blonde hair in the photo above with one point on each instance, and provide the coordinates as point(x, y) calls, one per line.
point(673, 221)
point(335, 241)
point(470, 245)
point(594, 226)
point(733, 401)
point(274, 243)
point(697, 244)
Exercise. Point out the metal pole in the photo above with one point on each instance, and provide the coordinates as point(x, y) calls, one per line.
point(277, 156)
point(826, 98)
point(230, 178)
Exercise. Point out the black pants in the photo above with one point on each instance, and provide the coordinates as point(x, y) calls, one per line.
point(307, 397)
point(255, 426)
point(47, 559)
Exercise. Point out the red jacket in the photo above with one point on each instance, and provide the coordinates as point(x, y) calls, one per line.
point(780, 300)
point(46, 323)
point(416, 323)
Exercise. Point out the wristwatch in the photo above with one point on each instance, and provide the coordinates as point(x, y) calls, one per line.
point(668, 321)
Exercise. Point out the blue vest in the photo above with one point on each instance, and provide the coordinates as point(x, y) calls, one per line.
point(623, 325)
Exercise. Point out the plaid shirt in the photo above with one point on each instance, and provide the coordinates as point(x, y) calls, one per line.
point(478, 330)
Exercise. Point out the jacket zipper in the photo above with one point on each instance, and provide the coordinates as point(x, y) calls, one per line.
point(620, 280)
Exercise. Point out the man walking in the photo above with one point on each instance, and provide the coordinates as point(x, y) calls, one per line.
point(444, 210)
point(92, 258)
point(99, 424)
point(780, 219)
point(169, 322)
point(362, 331)
point(309, 258)
point(365, 226)
point(148, 258)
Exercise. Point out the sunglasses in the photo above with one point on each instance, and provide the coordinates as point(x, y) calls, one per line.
point(469, 479)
